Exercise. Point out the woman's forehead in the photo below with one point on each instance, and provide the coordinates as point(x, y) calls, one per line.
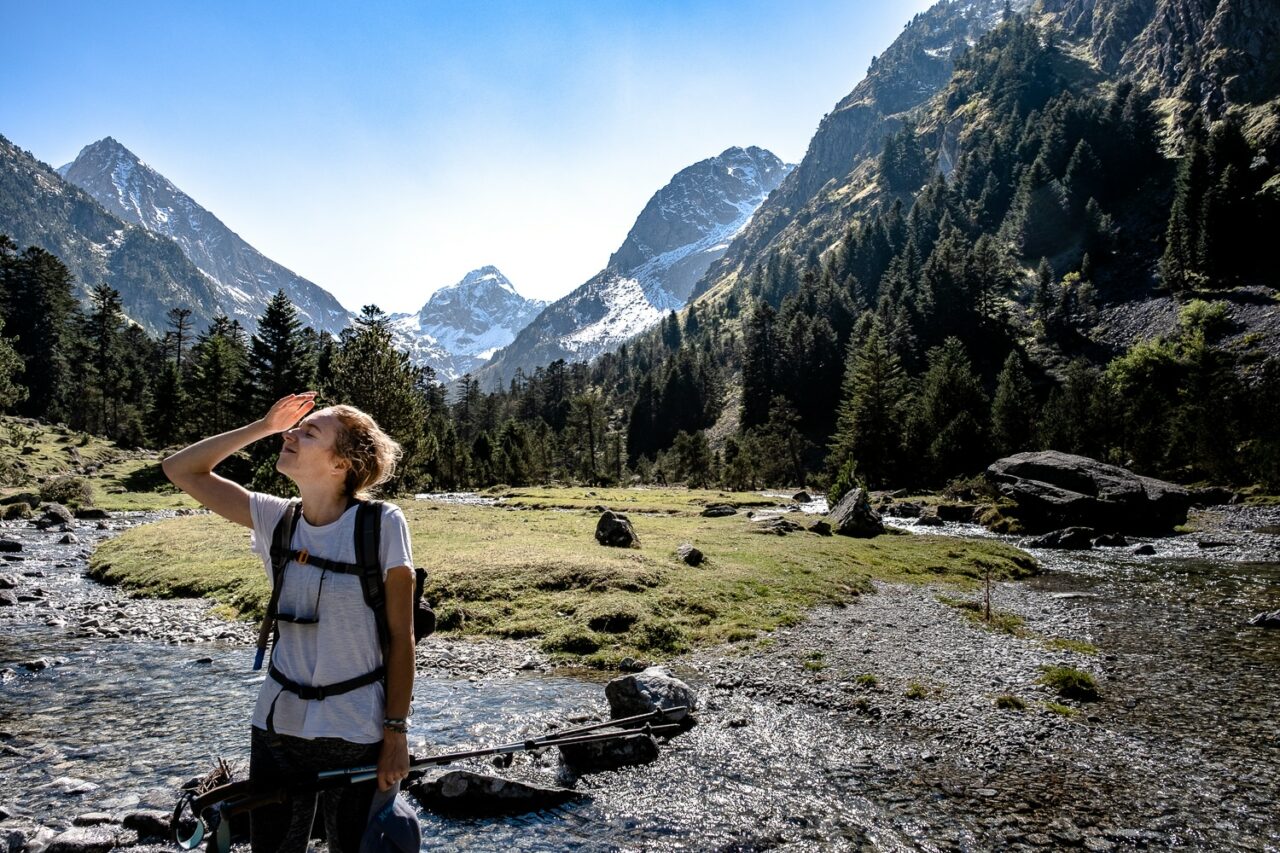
point(322, 420)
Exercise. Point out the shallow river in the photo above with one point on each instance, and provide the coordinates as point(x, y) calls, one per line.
point(133, 718)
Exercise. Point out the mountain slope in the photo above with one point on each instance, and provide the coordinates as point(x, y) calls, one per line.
point(462, 325)
point(136, 193)
point(39, 208)
point(913, 69)
point(683, 228)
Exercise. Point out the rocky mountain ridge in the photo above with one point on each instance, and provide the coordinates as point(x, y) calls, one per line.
point(914, 68)
point(39, 208)
point(682, 229)
point(246, 279)
point(462, 325)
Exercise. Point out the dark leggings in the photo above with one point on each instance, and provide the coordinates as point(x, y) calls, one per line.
point(286, 827)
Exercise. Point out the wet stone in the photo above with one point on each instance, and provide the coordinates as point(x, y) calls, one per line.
point(92, 819)
point(87, 839)
point(9, 546)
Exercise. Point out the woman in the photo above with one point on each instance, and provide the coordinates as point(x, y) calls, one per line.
point(327, 634)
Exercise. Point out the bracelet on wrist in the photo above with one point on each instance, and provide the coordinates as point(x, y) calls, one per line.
point(396, 724)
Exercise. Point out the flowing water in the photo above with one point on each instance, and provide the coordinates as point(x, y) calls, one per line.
point(134, 718)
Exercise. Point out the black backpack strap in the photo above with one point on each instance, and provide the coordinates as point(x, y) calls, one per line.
point(281, 539)
point(369, 559)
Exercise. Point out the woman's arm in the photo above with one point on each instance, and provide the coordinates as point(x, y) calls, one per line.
point(191, 469)
point(393, 764)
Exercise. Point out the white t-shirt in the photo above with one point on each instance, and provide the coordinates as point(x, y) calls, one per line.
point(344, 643)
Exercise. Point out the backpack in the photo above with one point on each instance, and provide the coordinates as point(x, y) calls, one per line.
point(368, 530)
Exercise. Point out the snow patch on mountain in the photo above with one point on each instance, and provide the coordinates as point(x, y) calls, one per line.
point(682, 230)
point(244, 279)
point(462, 325)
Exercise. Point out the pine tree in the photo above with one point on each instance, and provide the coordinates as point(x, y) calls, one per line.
point(947, 423)
point(279, 361)
point(1013, 408)
point(216, 383)
point(758, 365)
point(371, 374)
point(872, 411)
point(11, 391)
point(1179, 265)
point(42, 322)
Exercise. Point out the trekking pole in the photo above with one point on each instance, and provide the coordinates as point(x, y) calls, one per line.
point(214, 808)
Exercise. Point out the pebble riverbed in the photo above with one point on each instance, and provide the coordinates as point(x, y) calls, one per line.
point(107, 703)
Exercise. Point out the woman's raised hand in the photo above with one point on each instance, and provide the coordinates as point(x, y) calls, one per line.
point(287, 411)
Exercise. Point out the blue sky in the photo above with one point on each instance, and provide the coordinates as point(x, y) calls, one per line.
point(384, 149)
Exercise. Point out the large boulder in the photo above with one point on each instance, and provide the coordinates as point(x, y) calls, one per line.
point(648, 691)
point(54, 515)
point(1067, 539)
point(583, 758)
point(462, 792)
point(1055, 490)
point(853, 516)
point(615, 530)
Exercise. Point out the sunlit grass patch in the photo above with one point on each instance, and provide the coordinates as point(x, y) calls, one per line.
point(1066, 644)
point(541, 574)
point(1071, 683)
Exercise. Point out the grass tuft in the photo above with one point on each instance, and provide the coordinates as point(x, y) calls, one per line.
point(1071, 683)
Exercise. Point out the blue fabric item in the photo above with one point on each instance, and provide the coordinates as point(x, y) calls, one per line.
point(393, 825)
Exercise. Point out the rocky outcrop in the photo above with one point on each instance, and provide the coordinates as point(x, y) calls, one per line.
point(649, 691)
point(853, 516)
point(1053, 490)
point(614, 529)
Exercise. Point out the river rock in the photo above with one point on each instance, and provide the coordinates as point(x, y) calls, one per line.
point(802, 497)
point(775, 526)
point(1146, 549)
point(956, 512)
point(10, 546)
point(68, 539)
point(28, 499)
point(595, 757)
point(39, 839)
point(8, 600)
point(8, 582)
point(614, 530)
point(903, 509)
point(820, 527)
point(689, 554)
point(1054, 490)
point(1266, 620)
point(1067, 539)
point(928, 519)
point(1110, 540)
point(150, 824)
point(463, 792)
point(70, 785)
point(92, 513)
point(92, 819)
point(52, 515)
point(649, 691)
point(719, 511)
point(85, 839)
point(853, 515)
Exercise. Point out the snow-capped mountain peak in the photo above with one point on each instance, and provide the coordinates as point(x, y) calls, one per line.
point(684, 227)
point(244, 279)
point(463, 324)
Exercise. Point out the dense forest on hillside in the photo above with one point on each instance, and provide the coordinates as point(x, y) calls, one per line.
point(947, 326)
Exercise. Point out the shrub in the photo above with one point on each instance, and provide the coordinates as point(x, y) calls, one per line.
point(1008, 702)
point(68, 489)
point(867, 681)
point(1071, 683)
point(659, 637)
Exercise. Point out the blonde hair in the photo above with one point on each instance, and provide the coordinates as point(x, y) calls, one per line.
point(369, 452)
